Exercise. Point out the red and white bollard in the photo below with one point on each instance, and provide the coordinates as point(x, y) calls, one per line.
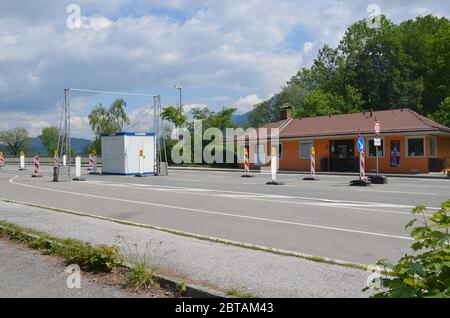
point(2, 160)
point(313, 163)
point(246, 165)
point(36, 167)
point(91, 162)
point(313, 166)
point(362, 167)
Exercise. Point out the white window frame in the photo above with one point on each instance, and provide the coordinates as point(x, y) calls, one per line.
point(435, 146)
point(368, 147)
point(300, 149)
point(407, 138)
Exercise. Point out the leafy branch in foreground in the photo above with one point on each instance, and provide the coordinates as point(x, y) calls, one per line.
point(426, 273)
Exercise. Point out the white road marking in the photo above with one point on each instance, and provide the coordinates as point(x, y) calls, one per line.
point(215, 213)
point(259, 197)
point(263, 195)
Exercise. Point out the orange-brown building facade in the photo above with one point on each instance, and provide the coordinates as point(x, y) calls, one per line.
point(411, 143)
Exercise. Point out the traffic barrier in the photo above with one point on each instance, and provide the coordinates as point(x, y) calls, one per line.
point(2, 160)
point(36, 167)
point(64, 160)
point(246, 165)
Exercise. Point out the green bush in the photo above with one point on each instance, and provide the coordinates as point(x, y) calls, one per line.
point(99, 258)
point(426, 273)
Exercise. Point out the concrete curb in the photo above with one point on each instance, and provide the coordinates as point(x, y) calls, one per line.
point(347, 174)
point(167, 282)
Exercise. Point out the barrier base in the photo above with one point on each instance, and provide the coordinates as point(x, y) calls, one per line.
point(22, 169)
point(311, 179)
point(378, 179)
point(36, 176)
point(359, 183)
point(247, 176)
point(79, 179)
point(275, 183)
point(141, 176)
point(94, 173)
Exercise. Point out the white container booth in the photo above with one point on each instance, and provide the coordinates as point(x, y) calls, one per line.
point(128, 153)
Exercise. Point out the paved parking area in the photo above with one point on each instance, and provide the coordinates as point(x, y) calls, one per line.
point(326, 218)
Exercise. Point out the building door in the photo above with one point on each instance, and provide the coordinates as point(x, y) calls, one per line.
point(342, 155)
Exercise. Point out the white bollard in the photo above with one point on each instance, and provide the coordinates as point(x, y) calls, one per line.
point(274, 168)
point(64, 160)
point(22, 161)
point(78, 169)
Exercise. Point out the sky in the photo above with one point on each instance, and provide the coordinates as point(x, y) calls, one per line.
point(230, 53)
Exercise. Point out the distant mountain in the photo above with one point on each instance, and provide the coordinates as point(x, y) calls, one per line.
point(241, 120)
point(78, 144)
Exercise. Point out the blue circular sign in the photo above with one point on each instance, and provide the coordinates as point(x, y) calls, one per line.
point(361, 144)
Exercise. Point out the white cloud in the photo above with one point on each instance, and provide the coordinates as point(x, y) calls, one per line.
point(245, 104)
point(215, 48)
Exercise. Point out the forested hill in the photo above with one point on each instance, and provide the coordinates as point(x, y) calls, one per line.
point(394, 66)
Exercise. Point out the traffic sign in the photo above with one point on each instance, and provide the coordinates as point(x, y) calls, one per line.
point(361, 144)
point(377, 129)
point(377, 142)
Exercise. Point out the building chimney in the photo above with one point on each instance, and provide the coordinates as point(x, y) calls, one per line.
point(285, 114)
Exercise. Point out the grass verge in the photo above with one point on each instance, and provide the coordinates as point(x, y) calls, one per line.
point(104, 261)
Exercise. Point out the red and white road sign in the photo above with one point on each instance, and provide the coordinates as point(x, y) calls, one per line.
point(377, 128)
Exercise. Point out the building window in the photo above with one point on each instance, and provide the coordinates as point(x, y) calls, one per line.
point(280, 151)
point(260, 154)
point(416, 147)
point(305, 150)
point(373, 150)
point(433, 148)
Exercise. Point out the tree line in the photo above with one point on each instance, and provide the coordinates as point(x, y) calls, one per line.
point(388, 67)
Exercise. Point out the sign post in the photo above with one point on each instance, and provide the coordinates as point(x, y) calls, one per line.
point(378, 143)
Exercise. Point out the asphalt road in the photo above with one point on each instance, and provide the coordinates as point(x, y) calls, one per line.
point(26, 273)
point(325, 218)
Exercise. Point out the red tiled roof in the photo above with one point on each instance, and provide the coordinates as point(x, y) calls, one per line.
point(391, 121)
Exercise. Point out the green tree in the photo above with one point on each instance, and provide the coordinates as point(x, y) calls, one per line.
point(442, 115)
point(107, 120)
point(16, 139)
point(173, 115)
point(49, 137)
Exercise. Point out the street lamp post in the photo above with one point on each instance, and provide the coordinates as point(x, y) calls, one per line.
point(179, 88)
